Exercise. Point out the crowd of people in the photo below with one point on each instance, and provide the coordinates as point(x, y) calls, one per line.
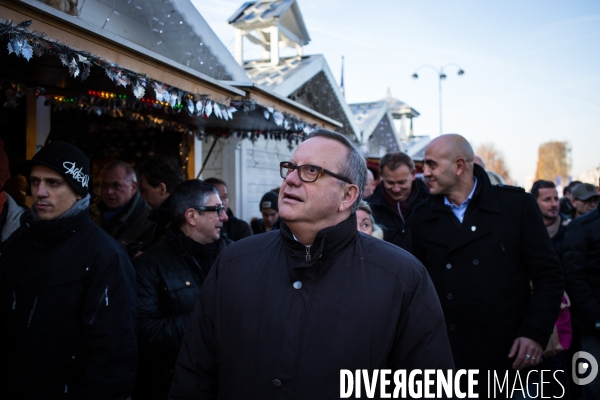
point(156, 290)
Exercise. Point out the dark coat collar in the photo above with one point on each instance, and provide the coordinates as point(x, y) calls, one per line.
point(47, 234)
point(328, 243)
point(127, 210)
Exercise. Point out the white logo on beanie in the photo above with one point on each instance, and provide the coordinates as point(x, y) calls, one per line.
point(76, 173)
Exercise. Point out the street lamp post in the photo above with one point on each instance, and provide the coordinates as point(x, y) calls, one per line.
point(441, 76)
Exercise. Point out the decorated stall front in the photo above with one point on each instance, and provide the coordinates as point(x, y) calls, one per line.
point(65, 79)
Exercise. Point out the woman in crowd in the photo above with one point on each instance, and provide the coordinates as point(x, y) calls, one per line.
point(366, 223)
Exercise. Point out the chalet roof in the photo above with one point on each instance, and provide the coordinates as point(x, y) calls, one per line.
point(290, 79)
point(416, 146)
point(399, 108)
point(376, 125)
point(286, 13)
point(368, 115)
point(171, 28)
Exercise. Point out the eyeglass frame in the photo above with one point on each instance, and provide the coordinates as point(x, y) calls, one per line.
point(218, 209)
point(115, 186)
point(320, 169)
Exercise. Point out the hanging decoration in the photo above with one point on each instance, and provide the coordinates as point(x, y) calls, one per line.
point(171, 100)
point(122, 106)
point(26, 43)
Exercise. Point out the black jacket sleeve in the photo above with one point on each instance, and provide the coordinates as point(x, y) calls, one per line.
point(109, 329)
point(155, 331)
point(576, 263)
point(421, 340)
point(544, 270)
point(195, 374)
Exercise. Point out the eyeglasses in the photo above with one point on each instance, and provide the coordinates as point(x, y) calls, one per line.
point(116, 186)
point(219, 209)
point(307, 173)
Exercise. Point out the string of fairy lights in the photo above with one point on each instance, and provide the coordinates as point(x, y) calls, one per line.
point(170, 100)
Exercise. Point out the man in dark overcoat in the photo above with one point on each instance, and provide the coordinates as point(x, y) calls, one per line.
point(491, 260)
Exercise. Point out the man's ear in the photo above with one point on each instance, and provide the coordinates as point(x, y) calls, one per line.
point(349, 198)
point(461, 166)
point(162, 188)
point(134, 186)
point(189, 216)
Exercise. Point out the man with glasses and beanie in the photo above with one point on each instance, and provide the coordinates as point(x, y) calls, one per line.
point(170, 275)
point(67, 292)
point(281, 313)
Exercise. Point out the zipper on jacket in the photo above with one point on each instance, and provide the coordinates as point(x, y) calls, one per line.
point(308, 252)
point(104, 298)
point(14, 300)
point(401, 216)
point(31, 312)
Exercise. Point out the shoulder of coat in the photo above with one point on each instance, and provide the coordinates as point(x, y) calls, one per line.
point(511, 188)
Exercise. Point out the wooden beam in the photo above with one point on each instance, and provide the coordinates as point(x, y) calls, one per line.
point(268, 101)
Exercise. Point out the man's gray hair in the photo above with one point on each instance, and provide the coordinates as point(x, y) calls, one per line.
point(129, 171)
point(355, 166)
point(189, 194)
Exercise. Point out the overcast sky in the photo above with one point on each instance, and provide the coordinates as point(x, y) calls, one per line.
point(532, 68)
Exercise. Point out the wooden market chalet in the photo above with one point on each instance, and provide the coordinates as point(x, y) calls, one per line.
point(129, 79)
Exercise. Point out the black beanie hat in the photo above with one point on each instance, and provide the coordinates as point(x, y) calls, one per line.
point(65, 159)
point(269, 200)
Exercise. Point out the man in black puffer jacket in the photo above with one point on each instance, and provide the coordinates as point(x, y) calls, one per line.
point(170, 275)
point(67, 293)
point(282, 313)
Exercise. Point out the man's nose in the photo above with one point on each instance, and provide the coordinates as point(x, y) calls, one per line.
point(223, 217)
point(293, 178)
point(42, 190)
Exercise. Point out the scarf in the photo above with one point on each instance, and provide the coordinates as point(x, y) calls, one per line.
point(79, 206)
point(554, 227)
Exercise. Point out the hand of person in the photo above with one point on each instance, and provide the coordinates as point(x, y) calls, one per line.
point(528, 353)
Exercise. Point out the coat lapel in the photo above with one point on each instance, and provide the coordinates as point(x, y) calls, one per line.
point(449, 233)
point(474, 226)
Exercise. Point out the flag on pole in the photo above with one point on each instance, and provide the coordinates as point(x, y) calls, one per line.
point(342, 80)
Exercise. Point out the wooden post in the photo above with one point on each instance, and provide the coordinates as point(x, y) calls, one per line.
point(30, 126)
point(191, 157)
